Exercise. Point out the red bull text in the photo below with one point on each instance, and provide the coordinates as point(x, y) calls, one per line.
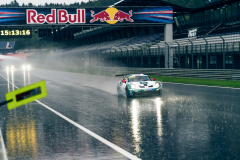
point(60, 16)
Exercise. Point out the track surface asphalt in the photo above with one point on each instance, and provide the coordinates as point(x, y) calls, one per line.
point(186, 122)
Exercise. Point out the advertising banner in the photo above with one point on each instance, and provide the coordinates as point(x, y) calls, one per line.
point(88, 16)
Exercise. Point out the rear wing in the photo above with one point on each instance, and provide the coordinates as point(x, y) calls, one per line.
point(119, 75)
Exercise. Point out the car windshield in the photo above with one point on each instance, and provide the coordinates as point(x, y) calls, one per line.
point(138, 78)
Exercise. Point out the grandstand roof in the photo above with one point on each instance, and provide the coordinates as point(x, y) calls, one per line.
point(176, 8)
point(213, 5)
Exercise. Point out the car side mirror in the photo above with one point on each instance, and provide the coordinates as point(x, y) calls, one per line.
point(124, 81)
point(153, 79)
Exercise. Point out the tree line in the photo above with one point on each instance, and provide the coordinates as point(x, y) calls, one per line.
point(90, 3)
point(98, 3)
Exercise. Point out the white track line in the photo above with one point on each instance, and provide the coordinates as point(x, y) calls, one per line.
point(200, 85)
point(3, 147)
point(113, 146)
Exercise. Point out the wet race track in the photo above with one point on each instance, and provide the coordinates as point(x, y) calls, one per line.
point(186, 122)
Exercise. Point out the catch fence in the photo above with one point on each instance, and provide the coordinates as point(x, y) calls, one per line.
point(218, 52)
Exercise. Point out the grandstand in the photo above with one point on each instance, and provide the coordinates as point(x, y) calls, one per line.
point(204, 38)
point(138, 40)
point(100, 46)
point(7, 47)
point(144, 39)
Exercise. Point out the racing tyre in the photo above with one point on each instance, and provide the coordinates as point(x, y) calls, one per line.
point(160, 93)
point(127, 93)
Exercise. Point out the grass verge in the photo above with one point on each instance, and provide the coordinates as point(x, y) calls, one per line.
point(208, 82)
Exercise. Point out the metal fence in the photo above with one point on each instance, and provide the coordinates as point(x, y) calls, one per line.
point(74, 63)
point(216, 57)
point(218, 74)
point(218, 52)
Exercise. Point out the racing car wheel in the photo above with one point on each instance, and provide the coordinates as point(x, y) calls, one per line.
point(127, 93)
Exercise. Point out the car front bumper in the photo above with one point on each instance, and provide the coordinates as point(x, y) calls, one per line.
point(145, 92)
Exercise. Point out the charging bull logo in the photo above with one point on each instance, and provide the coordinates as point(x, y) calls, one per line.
point(111, 15)
point(120, 16)
point(102, 16)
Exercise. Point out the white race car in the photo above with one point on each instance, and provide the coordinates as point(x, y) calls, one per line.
point(138, 85)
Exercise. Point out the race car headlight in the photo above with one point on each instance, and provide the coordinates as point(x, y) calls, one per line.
point(10, 68)
point(157, 85)
point(133, 86)
point(27, 67)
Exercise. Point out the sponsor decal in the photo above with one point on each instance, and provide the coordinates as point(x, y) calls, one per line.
point(132, 77)
point(149, 89)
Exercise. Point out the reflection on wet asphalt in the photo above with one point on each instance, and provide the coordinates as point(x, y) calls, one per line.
point(186, 122)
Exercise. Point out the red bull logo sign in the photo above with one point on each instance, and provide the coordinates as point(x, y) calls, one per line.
point(111, 15)
point(87, 16)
